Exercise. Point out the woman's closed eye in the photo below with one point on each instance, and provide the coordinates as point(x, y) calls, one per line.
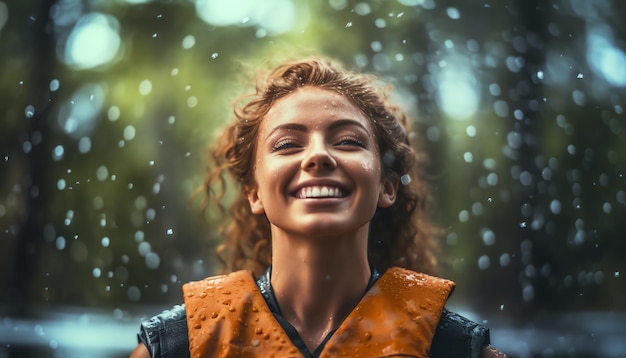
point(351, 141)
point(284, 144)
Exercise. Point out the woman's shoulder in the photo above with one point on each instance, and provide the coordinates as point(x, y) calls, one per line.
point(458, 336)
point(165, 334)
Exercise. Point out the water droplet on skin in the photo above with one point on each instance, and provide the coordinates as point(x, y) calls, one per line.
point(197, 326)
point(256, 342)
point(368, 336)
point(214, 315)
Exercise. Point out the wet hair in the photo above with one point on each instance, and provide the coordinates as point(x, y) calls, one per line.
point(400, 235)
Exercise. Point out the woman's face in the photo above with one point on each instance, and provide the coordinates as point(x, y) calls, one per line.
point(317, 166)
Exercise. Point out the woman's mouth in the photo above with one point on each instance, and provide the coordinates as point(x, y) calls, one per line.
point(319, 192)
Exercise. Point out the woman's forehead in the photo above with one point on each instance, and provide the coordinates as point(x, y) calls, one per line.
point(313, 103)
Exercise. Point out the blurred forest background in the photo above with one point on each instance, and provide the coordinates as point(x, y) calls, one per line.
point(107, 108)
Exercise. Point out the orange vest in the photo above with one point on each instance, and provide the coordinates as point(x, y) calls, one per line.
point(227, 317)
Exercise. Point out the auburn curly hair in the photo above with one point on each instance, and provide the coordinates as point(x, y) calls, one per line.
point(400, 235)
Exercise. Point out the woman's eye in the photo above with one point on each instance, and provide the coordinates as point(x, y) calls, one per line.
point(351, 142)
point(283, 144)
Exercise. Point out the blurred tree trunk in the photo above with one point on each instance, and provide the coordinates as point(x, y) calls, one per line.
point(535, 287)
point(39, 69)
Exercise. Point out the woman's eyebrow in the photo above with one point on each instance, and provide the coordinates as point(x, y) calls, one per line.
point(333, 126)
point(347, 122)
point(288, 126)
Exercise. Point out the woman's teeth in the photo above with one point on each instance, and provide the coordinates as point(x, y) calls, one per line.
point(319, 192)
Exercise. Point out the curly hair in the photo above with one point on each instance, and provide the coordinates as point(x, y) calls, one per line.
point(400, 235)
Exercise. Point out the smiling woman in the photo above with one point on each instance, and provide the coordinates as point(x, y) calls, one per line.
point(328, 242)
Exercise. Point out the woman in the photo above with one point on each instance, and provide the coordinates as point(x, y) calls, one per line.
point(327, 237)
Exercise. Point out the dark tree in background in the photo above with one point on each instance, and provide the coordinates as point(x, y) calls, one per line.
point(33, 96)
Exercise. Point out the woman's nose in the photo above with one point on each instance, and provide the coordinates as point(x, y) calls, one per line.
point(318, 156)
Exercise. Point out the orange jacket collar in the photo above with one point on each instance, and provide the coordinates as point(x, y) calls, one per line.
point(228, 317)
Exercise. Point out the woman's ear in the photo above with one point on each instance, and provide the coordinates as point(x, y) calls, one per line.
point(256, 204)
point(388, 192)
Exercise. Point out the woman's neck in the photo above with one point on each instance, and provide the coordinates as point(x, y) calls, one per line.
point(318, 283)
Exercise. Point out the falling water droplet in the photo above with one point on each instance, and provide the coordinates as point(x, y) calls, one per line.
point(29, 111)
